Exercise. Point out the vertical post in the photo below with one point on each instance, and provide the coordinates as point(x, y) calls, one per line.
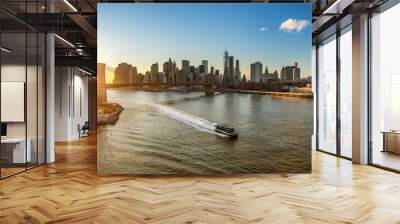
point(50, 92)
point(360, 90)
point(315, 89)
point(369, 126)
point(338, 75)
point(26, 88)
point(0, 93)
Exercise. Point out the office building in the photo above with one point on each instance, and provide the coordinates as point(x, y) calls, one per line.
point(202, 69)
point(225, 78)
point(126, 74)
point(162, 77)
point(296, 71)
point(272, 76)
point(154, 77)
point(256, 72)
point(229, 69)
point(134, 77)
point(290, 73)
point(185, 70)
point(205, 64)
point(123, 73)
point(238, 73)
point(191, 68)
point(169, 69)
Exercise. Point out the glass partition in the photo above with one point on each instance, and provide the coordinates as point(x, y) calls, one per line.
point(22, 92)
point(13, 94)
point(385, 89)
point(346, 92)
point(327, 95)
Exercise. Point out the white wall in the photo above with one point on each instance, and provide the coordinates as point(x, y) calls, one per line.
point(12, 73)
point(71, 94)
point(33, 126)
point(62, 83)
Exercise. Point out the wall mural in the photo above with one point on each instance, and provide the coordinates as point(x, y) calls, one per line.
point(193, 89)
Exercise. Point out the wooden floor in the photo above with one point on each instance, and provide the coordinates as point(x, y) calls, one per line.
point(69, 191)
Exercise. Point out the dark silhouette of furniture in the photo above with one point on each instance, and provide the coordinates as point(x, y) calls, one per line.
point(84, 130)
point(391, 141)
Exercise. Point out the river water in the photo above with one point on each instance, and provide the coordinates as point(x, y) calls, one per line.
point(173, 133)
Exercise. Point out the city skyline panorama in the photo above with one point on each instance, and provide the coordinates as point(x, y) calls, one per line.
point(143, 34)
point(179, 66)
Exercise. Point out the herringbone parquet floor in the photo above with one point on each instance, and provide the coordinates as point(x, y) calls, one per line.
point(69, 191)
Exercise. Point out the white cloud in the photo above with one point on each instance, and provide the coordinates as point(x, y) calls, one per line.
point(294, 25)
point(262, 29)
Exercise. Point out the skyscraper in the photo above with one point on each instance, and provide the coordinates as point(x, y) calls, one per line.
point(126, 74)
point(154, 73)
point(202, 69)
point(217, 77)
point(226, 67)
point(134, 77)
point(205, 63)
point(123, 73)
point(255, 72)
point(173, 73)
point(185, 70)
point(169, 69)
point(231, 70)
point(237, 73)
point(296, 71)
point(191, 68)
point(147, 77)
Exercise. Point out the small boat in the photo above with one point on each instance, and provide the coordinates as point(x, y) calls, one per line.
point(224, 129)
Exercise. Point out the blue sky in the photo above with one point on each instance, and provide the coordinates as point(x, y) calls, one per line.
point(142, 34)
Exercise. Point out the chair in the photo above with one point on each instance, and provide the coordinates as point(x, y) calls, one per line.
point(84, 130)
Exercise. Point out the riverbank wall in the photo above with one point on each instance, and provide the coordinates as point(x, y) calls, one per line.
point(108, 113)
point(281, 94)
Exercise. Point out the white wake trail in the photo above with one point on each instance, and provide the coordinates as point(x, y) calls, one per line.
point(196, 122)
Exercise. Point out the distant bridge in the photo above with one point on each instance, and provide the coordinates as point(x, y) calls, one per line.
point(208, 89)
point(157, 85)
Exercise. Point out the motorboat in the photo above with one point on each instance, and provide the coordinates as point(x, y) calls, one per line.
point(224, 129)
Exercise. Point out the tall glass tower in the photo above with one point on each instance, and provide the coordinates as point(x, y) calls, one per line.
point(226, 67)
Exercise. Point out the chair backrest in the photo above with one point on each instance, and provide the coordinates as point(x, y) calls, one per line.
point(86, 125)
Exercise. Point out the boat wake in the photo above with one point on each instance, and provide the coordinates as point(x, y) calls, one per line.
point(196, 122)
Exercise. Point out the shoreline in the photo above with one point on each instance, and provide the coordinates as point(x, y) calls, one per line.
point(258, 92)
point(108, 113)
point(284, 94)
